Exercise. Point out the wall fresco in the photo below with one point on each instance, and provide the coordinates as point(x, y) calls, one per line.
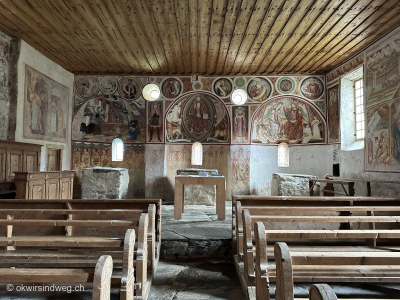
point(4, 84)
point(333, 115)
point(171, 88)
point(312, 88)
point(382, 141)
point(46, 108)
point(259, 89)
point(155, 122)
point(197, 117)
point(345, 68)
point(288, 119)
point(240, 124)
point(240, 156)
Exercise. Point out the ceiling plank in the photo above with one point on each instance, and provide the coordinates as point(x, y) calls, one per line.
point(152, 34)
point(306, 35)
point(263, 34)
point(6, 28)
point(194, 34)
point(158, 13)
point(252, 30)
point(378, 24)
point(182, 13)
point(245, 13)
point(279, 23)
point(217, 24)
point(341, 29)
point(205, 8)
point(294, 33)
point(173, 32)
point(231, 15)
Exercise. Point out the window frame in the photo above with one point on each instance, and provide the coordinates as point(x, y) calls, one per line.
point(357, 129)
point(115, 156)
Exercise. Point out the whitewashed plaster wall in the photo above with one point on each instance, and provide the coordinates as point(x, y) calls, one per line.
point(154, 170)
point(311, 160)
point(33, 58)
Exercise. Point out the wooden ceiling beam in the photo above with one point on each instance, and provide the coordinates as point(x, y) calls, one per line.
point(253, 28)
point(217, 25)
point(245, 13)
point(231, 15)
point(6, 28)
point(263, 34)
point(205, 9)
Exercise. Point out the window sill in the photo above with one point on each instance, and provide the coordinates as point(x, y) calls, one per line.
point(356, 145)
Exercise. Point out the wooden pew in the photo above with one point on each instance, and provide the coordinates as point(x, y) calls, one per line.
point(98, 278)
point(81, 231)
point(319, 266)
point(276, 208)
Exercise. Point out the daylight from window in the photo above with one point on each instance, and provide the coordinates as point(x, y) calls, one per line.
point(359, 106)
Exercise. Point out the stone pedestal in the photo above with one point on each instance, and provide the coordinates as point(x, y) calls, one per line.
point(105, 183)
point(198, 194)
point(292, 185)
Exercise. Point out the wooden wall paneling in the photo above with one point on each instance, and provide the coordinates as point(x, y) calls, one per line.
point(305, 33)
point(294, 32)
point(335, 14)
point(205, 7)
point(349, 32)
point(3, 171)
point(166, 37)
point(194, 34)
point(85, 39)
point(226, 34)
point(263, 34)
point(31, 161)
point(246, 10)
point(217, 24)
point(113, 33)
point(340, 30)
point(364, 34)
point(15, 159)
point(182, 13)
point(260, 10)
point(52, 188)
point(54, 159)
point(280, 21)
point(66, 187)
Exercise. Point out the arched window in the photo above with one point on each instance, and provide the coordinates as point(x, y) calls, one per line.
point(117, 150)
point(283, 155)
point(197, 154)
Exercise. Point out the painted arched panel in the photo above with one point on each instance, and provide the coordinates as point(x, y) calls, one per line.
point(288, 119)
point(200, 117)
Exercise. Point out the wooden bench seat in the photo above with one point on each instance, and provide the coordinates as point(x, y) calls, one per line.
point(61, 234)
point(97, 278)
point(336, 221)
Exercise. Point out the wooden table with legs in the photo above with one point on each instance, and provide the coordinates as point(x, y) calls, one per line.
point(182, 180)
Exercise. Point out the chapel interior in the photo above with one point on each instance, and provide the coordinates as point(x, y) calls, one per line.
point(197, 123)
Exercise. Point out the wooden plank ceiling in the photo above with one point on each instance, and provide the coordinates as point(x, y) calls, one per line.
point(199, 37)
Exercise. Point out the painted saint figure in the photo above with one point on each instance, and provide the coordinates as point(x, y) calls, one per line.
point(382, 152)
point(293, 128)
point(222, 88)
point(240, 125)
point(170, 90)
point(315, 128)
point(154, 121)
point(312, 90)
point(396, 134)
point(198, 117)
